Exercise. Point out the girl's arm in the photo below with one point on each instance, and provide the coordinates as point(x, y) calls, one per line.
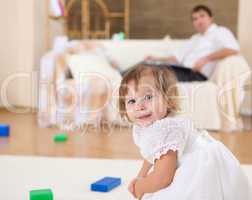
point(160, 177)
point(145, 169)
point(146, 166)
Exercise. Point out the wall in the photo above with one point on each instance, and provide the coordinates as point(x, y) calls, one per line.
point(41, 33)
point(16, 49)
point(45, 29)
point(245, 28)
point(245, 39)
point(24, 37)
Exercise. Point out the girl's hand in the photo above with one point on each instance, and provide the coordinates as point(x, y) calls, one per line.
point(131, 187)
point(138, 193)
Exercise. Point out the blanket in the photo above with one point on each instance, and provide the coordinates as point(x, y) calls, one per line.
point(230, 76)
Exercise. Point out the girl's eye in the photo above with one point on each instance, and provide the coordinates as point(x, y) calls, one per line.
point(131, 101)
point(148, 97)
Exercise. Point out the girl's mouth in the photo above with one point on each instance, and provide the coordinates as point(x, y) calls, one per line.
point(142, 117)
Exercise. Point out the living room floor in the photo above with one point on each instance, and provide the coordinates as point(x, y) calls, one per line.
point(28, 139)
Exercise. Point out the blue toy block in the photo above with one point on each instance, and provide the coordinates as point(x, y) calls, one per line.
point(4, 130)
point(106, 184)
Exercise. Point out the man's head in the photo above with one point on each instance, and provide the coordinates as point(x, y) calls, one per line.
point(202, 18)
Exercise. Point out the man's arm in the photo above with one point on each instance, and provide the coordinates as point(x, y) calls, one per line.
point(223, 53)
point(114, 64)
point(177, 56)
point(218, 55)
point(160, 177)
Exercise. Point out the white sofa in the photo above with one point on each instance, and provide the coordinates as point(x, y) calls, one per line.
point(213, 104)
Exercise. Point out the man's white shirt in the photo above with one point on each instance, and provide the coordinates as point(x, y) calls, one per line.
point(201, 45)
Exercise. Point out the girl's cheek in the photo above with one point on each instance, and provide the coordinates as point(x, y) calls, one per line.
point(129, 109)
point(131, 116)
point(147, 105)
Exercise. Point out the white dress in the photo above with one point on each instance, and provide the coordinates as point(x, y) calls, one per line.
point(206, 169)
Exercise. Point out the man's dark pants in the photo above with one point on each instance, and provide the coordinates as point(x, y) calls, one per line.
point(183, 74)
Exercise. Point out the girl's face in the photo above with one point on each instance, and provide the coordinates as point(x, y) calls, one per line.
point(144, 103)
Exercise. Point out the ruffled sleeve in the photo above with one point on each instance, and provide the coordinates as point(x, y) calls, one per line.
point(163, 136)
point(173, 137)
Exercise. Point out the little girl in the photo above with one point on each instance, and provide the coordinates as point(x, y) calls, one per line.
point(180, 162)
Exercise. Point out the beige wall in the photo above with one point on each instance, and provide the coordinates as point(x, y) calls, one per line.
point(41, 32)
point(17, 48)
point(24, 39)
point(245, 39)
point(45, 29)
point(245, 28)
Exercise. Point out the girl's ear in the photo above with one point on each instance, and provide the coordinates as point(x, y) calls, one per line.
point(168, 111)
point(171, 108)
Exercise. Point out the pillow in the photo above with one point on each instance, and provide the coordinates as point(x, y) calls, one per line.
point(89, 63)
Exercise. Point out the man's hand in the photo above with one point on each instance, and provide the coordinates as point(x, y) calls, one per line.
point(200, 63)
point(170, 59)
point(152, 58)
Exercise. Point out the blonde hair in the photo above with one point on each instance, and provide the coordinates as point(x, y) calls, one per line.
point(165, 82)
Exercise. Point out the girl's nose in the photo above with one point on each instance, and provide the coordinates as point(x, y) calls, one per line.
point(140, 106)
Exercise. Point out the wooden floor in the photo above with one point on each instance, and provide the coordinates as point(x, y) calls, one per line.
point(28, 139)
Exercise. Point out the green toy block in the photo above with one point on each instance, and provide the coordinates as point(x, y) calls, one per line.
point(45, 194)
point(121, 35)
point(60, 137)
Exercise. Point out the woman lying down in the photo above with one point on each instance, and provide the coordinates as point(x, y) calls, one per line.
point(85, 76)
point(89, 48)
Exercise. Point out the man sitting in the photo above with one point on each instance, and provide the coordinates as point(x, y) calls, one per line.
point(196, 60)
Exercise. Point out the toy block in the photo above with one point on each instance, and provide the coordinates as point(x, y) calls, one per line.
point(4, 130)
point(105, 184)
point(45, 194)
point(60, 137)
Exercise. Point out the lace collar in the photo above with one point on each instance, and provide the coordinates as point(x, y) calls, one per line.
point(158, 124)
